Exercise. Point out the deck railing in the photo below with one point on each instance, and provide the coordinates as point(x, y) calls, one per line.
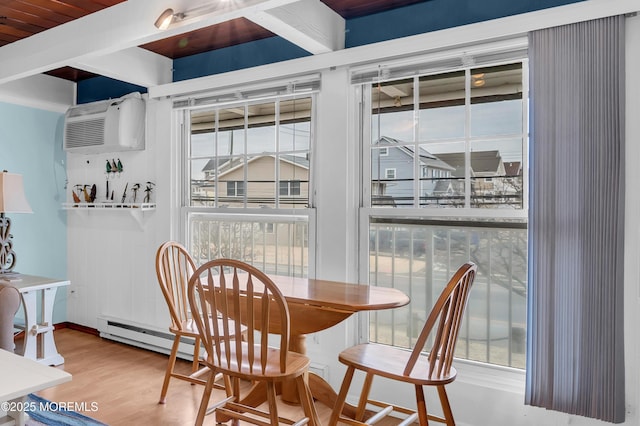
point(276, 244)
point(419, 257)
point(415, 257)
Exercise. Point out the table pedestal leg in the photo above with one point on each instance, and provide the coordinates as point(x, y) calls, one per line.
point(297, 343)
point(30, 343)
point(38, 333)
point(320, 388)
point(48, 351)
point(14, 417)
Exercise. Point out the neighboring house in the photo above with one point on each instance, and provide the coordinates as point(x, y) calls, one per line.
point(260, 186)
point(392, 172)
point(513, 168)
point(492, 180)
point(513, 181)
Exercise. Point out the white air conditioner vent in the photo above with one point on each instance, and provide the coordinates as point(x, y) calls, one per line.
point(106, 126)
point(84, 133)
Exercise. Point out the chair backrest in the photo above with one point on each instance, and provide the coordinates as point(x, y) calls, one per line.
point(174, 267)
point(446, 317)
point(242, 295)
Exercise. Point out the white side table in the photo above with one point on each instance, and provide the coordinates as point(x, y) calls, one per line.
point(38, 333)
point(20, 377)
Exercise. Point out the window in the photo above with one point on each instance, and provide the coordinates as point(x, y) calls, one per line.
point(290, 187)
point(244, 151)
point(384, 152)
point(235, 188)
point(247, 185)
point(457, 141)
point(390, 173)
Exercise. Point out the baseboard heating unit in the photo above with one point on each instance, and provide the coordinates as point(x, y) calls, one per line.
point(161, 341)
point(143, 337)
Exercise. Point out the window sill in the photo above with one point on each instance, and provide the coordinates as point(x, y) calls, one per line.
point(490, 376)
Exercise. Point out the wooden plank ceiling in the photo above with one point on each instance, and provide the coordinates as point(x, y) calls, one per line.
point(20, 19)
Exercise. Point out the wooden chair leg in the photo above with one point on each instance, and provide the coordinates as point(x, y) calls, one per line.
point(342, 396)
point(273, 405)
point(446, 407)
point(364, 397)
point(306, 400)
point(421, 406)
point(206, 395)
point(170, 365)
point(195, 366)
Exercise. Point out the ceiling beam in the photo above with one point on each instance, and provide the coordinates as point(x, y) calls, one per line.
point(123, 26)
point(40, 91)
point(310, 24)
point(133, 65)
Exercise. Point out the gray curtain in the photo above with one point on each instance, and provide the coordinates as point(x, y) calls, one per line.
point(575, 353)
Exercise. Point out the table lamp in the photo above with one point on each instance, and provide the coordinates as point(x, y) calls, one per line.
point(12, 200)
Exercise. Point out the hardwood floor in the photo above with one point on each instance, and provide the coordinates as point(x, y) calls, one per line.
point(124, 382)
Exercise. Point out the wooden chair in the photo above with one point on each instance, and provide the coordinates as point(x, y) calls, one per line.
point(241, 294)
point(174, 266)
point(432, 369)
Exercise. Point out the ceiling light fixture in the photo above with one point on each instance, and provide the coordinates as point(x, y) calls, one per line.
point(478, 79)
point(164, 20)
point(169, 17)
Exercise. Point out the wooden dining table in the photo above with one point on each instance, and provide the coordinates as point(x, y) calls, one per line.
point(315, 305)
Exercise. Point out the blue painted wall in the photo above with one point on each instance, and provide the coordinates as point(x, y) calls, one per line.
point(410, 20)
point(101, 88)
point(31, 145)
point(436, 15)
point(260, 52)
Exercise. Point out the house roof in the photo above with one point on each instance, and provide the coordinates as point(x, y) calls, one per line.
point(426, 158)
point(481, 161)
point(513, 168)
point(225, 166)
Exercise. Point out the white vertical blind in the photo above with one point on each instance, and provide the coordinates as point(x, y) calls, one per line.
point(576, 219)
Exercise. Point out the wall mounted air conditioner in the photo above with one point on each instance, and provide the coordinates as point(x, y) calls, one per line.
point(105, 126)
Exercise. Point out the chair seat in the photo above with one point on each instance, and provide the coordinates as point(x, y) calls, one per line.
point(188, 328)
point(388, 361)
point(297, 364)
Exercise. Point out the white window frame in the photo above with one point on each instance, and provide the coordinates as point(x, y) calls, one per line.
point(182, 108)
point(366, 210)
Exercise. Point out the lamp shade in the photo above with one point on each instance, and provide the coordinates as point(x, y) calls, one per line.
point(12, 198)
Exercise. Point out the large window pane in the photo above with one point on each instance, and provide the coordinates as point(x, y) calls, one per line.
point(276, 137)
point(464, 150)
point(461, 146)
point(251, 157)
point(420, 259)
